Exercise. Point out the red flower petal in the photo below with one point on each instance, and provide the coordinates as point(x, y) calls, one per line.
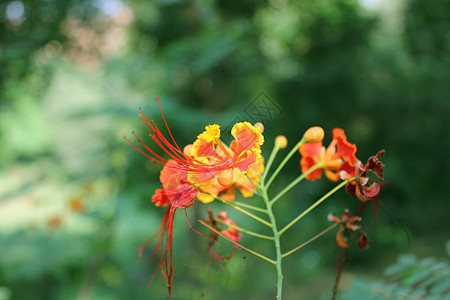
point(345, 150)
point(160, 198)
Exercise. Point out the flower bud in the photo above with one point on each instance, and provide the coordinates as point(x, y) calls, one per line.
point(281, 140)
point(313, 135)
point(259, 126)
point(188, 149)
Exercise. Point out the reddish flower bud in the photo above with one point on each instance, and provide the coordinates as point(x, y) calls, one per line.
point(314, 134)
point(259, 126)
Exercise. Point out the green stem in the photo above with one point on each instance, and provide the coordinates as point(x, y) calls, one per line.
point(313, 206)
point(276, 148)
point(257, 186)
point(243, 211)
point(293, 183)
point(262, 236)
point(276, 238)
point(285, 160)
point(255, 208)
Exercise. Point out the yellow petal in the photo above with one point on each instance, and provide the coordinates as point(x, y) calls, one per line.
point(211, 133)
point(246, 136)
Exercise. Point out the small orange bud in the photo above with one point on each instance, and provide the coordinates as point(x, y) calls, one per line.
point(314, 134)
point(259, 126)
point(281, 140)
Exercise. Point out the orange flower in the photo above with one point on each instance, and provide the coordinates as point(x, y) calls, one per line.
point(206, 162)
point(339, 156)
point(179, 161)
point(240, 181)
point(225, 163)
point(176, 189)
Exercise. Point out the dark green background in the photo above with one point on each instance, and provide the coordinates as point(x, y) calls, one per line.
point(73, 74)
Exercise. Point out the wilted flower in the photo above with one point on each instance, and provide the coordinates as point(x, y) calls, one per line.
point(230, 233)
point(348, 222)
point(364, 187)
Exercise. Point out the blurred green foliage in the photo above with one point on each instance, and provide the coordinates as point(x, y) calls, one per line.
point(409, 278)
point(74, 72)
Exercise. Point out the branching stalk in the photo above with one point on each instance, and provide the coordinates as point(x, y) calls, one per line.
point(244, 211)
point(285, 160)
point(296, 181)
point(237, 244)
point(309, 241)
point(255, 234)
point(336, 188)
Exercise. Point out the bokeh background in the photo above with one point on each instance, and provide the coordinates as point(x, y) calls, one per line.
point(75, 197)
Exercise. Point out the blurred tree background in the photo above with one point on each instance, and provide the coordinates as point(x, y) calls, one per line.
point(75, 198)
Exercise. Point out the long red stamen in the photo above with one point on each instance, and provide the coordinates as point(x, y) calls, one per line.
point(156, 155)
point(157, 250)
point(169, 240)
point(184, 162)
point(142, 152)
point(165, 122)
point(164, 234)
point(156, 134)
point(166, 142)
point(155, 131)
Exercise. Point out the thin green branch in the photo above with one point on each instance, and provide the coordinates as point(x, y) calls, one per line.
point(309, 241)
point(237, 244)
point(243, 211)
point(293, 183)
point(276, 148)
point(281, 165)
point(255, 208)
point(262, 236)
point(313, 206)
point(257, 186)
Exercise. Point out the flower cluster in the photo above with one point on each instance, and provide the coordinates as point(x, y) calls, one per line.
point(202, 171)
point(210, 169)
point(339, 161)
